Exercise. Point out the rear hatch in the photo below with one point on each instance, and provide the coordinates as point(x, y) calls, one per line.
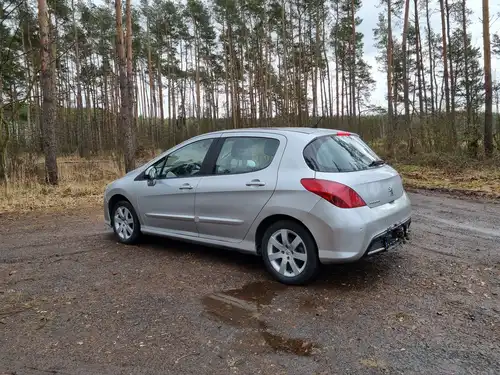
point(345, 158)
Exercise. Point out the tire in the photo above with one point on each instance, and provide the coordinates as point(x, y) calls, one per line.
point(126, 231)
point(298, 248)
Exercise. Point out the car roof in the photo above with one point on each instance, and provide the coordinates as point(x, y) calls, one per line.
point(284, 131)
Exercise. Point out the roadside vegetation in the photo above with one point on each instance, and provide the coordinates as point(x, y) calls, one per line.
point(88, 90)
point(82, 181)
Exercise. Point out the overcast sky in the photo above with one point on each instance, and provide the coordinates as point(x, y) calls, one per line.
point(369, 15)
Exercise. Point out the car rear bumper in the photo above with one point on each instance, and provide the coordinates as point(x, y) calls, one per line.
point(390, 239)
point(347, 235)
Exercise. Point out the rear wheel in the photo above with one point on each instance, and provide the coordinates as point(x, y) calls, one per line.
point(290, 253)
point(125, 223)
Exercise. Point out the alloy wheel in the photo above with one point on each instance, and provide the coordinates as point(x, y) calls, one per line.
point(124, 223)
point(287, 253)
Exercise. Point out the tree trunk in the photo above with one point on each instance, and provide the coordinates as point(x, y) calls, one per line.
point(125, 120)
point(329, 106)
point(160, 94)
point(390, 121)
point(28, 93)
point(466, 64)
point(353, 67)
point(316, 66)
point(285, 58)
point(267, 98)
point(431, 59)
point(342, 87)
point(152, 91)
point(445, 57)
point(82, 149)
point(233, 78)
point(452, 74)
point(4, 140)
point(406, 88)
point(130, 130)
point(197, 76)
point(226, 68)
point(420, 66)
point(488, 94)
point(48, 120)
point(337, 78)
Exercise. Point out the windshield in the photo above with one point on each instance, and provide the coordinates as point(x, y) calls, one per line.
point(346, 153)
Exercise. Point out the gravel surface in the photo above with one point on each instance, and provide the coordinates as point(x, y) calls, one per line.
point(74, 301)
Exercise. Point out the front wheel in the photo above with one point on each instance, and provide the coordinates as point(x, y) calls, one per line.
point(125, 223)
point(290, 253)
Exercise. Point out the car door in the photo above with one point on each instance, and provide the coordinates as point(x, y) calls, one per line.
point(243, 180)
point(167, 203)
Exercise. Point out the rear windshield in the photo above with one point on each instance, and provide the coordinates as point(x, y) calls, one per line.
point(334, 153)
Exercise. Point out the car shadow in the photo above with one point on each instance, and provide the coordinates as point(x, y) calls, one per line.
point(210, 254)
point(365, 273)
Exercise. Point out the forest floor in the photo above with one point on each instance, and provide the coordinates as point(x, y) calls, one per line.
point(82, 183)
point(74, 301)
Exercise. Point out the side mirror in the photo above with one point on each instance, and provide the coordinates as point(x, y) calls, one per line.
point(151, 175)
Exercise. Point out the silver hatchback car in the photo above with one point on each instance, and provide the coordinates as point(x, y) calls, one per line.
point(298, 197)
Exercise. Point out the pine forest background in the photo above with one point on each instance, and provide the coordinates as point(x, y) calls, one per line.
point(101, 80)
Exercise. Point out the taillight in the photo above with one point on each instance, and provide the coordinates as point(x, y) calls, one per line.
point(343, 134)
point(336, 193)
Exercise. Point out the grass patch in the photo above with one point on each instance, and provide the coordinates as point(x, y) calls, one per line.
point(81, 184)
point(66, 195)
point(478, 181)
point(456, 173)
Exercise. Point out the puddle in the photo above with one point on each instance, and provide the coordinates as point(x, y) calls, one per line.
point(241, 308)
point(232, 311)
point(292, 346)
point(261, 293)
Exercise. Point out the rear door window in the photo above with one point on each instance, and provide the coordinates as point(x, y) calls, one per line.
point(346, 153)
point(245, 154)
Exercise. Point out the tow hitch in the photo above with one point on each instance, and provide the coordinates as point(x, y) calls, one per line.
point(391, 238)
point(396, 235)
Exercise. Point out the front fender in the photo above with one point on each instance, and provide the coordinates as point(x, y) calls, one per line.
point(115, 194)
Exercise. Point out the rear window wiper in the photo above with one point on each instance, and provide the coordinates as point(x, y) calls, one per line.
point(376, 163)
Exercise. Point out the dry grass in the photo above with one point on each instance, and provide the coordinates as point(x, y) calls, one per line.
point(82, 183)
point(479, 181)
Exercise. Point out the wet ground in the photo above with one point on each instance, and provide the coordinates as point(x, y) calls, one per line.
point(73, 301)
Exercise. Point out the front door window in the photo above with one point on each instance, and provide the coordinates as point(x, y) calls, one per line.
point(184, 162)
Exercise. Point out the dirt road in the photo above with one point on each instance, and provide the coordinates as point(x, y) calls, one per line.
point(73, 301)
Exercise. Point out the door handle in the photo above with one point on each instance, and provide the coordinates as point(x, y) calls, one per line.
point(255, 183)
point(185, 187)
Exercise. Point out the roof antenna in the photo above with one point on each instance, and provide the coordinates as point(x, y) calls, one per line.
point(316, 125)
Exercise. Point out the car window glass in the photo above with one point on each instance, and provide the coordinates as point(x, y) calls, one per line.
point(159, 167)
point(185, 161)
point(245, 154)
point(339, 154)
